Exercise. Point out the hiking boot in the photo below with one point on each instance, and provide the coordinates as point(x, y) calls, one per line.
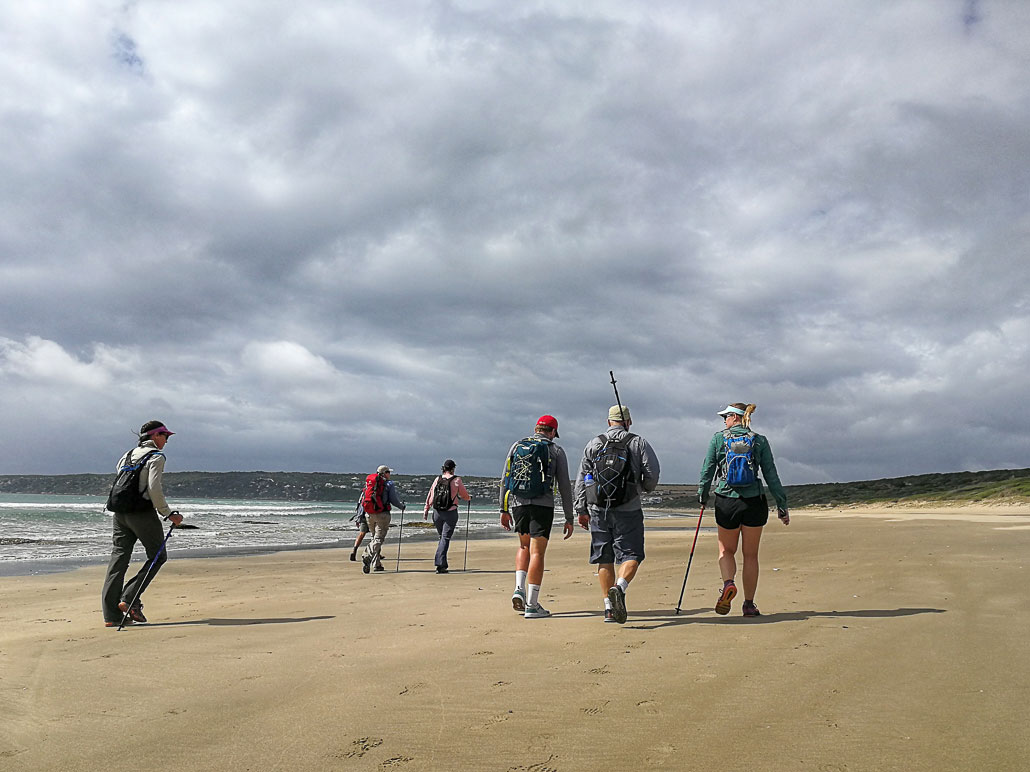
point(518, 600)
point(379, 567)
point(442, 570)
point(729, 590)
point(536, 612)
point(354, 555)
point(135, 612)
point(750, 609)
point(366, 564)
point(609, 616)
point(618, 599)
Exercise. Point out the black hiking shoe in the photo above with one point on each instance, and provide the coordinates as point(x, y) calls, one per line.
point(618, 599)
point(380, 567)
point(750, 609)
point(366, 564)
point(354, 555)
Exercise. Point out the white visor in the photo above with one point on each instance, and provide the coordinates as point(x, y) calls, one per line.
point(730, 409)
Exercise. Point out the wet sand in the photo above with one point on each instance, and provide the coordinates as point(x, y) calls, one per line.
point(891, 639)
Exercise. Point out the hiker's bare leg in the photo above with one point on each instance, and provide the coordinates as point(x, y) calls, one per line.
point(728, 539)
point(750, 538)
point(537, 547)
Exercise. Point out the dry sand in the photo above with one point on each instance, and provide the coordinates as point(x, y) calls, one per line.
point(892, 640)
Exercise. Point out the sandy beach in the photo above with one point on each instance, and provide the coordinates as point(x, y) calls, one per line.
point(891, 640)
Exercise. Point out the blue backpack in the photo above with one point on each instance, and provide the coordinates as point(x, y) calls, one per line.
point(527, 468)
point(740, 467)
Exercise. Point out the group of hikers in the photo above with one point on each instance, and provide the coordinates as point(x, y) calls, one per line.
point(616, 468)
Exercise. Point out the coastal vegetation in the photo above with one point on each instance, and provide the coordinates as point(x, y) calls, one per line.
point(1005, 486)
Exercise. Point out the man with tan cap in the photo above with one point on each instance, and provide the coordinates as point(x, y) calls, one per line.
point(616, 467)
point(379, 495)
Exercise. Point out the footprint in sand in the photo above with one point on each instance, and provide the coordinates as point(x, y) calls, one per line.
point(493, 721)
point(660, 755)
point(362, 746)
point(419, 687)
point(596, 709)
point(650, 707)
point(396, 761)
point(541, 766)
point(603, 670)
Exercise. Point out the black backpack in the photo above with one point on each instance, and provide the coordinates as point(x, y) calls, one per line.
point(125, 496)
point(612, 471)
point(442, 498)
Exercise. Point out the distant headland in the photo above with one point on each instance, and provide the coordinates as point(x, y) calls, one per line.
point(1003, 486)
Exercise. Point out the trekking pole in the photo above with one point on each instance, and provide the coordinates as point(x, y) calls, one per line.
point(468, 516)
point(699, 516)
point(618, 401)
point(400, 535)
point(147, 574)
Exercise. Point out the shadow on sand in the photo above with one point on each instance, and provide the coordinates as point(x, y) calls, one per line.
point(642, 620)
point(234, 622)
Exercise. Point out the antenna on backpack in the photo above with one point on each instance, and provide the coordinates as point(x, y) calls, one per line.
point(618, 401)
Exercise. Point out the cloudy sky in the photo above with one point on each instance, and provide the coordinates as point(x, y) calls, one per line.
point(325, 235)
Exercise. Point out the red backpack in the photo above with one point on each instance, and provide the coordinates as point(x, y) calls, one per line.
point(373, 499)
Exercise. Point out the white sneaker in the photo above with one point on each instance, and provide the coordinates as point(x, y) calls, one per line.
point(518, 600)
point(536, 612)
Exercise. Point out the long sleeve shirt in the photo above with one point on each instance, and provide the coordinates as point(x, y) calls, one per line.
point(715, 460)
point(557, 471)
point(457, 491)
point(644, 470)
point(151, 476)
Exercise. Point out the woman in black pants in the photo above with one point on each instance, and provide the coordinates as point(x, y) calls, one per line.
point(443, 498)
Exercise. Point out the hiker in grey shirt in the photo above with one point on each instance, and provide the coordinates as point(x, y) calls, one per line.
point(616, 529)
point(533, 517)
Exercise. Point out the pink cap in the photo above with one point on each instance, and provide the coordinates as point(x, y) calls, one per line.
point(160, 430)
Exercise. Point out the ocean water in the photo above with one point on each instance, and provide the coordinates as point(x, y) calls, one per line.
point(40, 533)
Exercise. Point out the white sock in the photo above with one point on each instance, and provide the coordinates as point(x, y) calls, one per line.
point(533, 599)
point(623, 584)
point(520, 580)
point(607, 603)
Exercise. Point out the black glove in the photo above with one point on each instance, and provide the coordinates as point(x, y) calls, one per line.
point(701, 499)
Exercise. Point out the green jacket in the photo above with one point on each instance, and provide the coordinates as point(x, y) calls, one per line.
point(715, 459)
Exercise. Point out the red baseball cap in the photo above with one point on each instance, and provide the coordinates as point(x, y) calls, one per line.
point(549, 421)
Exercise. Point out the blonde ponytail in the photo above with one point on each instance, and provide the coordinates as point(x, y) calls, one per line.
point(747, 415)
point(748, 409)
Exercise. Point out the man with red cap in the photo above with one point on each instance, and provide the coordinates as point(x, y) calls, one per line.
point(534, 467)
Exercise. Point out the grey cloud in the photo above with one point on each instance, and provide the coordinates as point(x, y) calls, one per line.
point(333, 239)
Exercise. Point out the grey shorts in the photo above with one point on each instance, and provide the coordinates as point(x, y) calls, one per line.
point(362, 524)
point(617, 538)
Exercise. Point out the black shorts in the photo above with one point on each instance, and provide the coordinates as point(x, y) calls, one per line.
point(534, 519)
point(732, 512)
